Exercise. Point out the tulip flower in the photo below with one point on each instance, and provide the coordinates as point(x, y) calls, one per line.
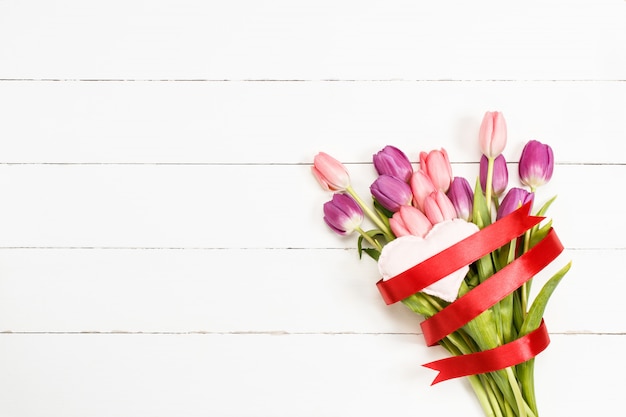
point(421, 186)
point(330, 173)
point(500, 175)
point(391, 192)
point(392, 161)
point(492, 134)
point(343, 214)
point(515, 198)
point(438, 207)
point(436, 166)
point(536, 164)
point(409, 221)
point(462, 198)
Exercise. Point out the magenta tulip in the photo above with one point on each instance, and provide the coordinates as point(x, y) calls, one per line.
point(421, 186)
point(500, 178)
point(343, 214)
point(462, 197)
point(536, 164)
point(392, 161)
point(330, 173)
point(492, 134)
point(409, 221)
point(391, 192)
point(436, 166)
point(514, 199)
point(438, 207)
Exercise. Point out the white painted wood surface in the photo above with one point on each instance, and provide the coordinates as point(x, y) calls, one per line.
point(161, 244)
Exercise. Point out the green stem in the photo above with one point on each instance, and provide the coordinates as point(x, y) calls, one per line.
point(522, 407)
point(370, 213)
point(371, 240)
point(489, 182)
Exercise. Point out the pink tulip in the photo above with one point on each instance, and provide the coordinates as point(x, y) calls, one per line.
point(437, 166)
point(330, 173)
point(421, 186)
point(492, 134)
point(438, 207)
point(409, 221)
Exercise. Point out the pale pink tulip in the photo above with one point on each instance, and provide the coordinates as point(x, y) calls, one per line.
point(330, 173)
point(492, 134)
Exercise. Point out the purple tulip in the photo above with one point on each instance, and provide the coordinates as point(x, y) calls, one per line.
point(462, 197)
point(536, 164)
point(515, 198)
point(500, 177)
point(343, 214)
point(392, 161)
point(391, 192)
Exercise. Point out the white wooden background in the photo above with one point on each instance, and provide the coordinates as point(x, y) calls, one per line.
point(162, 249)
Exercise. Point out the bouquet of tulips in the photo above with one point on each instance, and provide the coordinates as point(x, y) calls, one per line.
point(462, 257)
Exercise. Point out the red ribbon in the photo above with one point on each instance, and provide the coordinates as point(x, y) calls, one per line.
point(463, 253)
point(492, 290)
point(511, 354)
point(482, 297)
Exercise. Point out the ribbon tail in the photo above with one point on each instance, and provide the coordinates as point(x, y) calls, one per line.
point(510, 354)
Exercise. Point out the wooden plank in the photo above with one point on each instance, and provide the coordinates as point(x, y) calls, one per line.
point(255, 290)
point(243, 39)
point(252, 375)
point(289, 122)
point(236, 206)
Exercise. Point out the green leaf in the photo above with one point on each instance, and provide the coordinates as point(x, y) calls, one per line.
point(544, 208)
point(538, 234)
point(373, 253)
point(481, 215)
point(382, 212)
point(535, 313)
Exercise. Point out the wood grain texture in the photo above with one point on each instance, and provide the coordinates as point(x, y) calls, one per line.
point(162, 249)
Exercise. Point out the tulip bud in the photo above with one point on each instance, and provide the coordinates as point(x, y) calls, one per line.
point(438, 207)
point(436, 166)
point(391, 192)
point(421, 186)
point(500, 178)
point(492, 134)
point(392, 161)
point(330, 173)
point(343, 214)
point(409, 221)
point(514, 199)
point(536, 164)
point(462, 198)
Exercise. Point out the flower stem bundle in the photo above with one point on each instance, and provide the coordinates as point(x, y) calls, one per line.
point(461, 257)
